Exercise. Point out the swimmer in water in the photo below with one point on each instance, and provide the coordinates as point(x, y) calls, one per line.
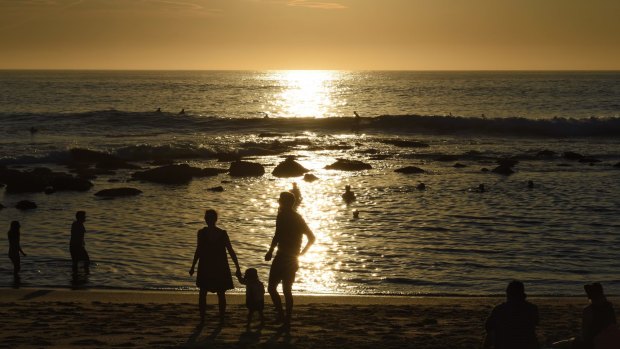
point(348, 195)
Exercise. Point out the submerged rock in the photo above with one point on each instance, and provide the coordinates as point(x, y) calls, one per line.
point(459, 165)
point(289, 168)
point(118, 192)
point(409, 170)
point(348, 165)
point(216, 189)
point(617, 165)
point(246, 169)
point(589, 160)
point(25, 205)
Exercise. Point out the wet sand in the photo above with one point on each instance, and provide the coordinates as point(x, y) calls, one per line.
point(51, 318)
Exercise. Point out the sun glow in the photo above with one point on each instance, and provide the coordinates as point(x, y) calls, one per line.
point(306, 93)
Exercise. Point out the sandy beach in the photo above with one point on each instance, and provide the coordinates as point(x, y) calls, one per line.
point(53, 318)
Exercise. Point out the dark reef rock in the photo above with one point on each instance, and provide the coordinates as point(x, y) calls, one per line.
point(246, 169)
point(410, 170)
point(175, 174)
point(459, 165)
point(546, 154)
point(503, 170)
point(41, 179)
point(217, 189)
point(309, 177)
point(507, 162)
point(569, 155)
point(617, 165)
point(289, 168)
point(25, 205)
point(348, 165)
point(589, 160)
point(118, 192)
point(405, 144)
point(99, 159)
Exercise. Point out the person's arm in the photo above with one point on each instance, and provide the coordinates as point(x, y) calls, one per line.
point(274, 241)
point(587, 332)
point(233, 255)
point(191, 270)
point(22, 251)
point(311, 239)
point(489, 327)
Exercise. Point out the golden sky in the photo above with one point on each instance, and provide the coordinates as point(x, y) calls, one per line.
point(300, 34)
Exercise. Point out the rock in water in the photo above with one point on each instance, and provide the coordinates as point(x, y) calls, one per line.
point(25, 205)
point(409, 170)
point(174, 174)
point(246, 169)
point(118, 192)
point(309, 177)
point(348, 165)
point(289, 168)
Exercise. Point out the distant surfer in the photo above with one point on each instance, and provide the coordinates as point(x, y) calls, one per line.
point(265, 116)
point(182, 112)
point(33, 130)
point(297, 193)
point(158, 110)
point(358, 120)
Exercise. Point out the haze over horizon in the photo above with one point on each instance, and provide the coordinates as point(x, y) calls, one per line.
point(301, 34)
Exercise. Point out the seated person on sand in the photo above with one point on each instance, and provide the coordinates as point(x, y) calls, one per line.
point(348, 195)
point(512, 324)
point(599, 329)
point(254, 295)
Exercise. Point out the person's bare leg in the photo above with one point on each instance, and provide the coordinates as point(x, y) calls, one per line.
point(202, 303)
point(221, 298)
point(247, 325)
point(275, 298)
point(287, 288)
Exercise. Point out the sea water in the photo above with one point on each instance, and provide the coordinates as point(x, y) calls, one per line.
point(447, 239)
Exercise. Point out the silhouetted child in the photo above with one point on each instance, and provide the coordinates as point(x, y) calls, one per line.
point(77, 246)
point(213, 269)
point(15, 248)
point(254, 295)
point(348, 195)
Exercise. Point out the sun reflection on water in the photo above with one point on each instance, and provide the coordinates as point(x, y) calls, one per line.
point(306, 93)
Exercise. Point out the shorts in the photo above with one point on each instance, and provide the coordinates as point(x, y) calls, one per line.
point(283, 269)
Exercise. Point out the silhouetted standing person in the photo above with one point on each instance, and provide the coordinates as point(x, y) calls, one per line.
point(254, 295)
point(77, 246)
point(213, 269)
point(15, 248)
point(512, 325)
point(295, 191)
point(348, 195)
point(290, 229)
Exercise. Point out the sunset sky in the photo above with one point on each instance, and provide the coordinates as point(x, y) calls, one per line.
point(298, 34)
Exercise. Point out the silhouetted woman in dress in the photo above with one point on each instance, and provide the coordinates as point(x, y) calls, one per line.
point(213, 269)
point(15, 248)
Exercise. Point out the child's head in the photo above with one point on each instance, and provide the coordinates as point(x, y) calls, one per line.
point(80, 216)
point(210, 217)
point(251, 274)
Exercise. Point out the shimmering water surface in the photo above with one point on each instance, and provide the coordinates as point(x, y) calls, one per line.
point(446, 239)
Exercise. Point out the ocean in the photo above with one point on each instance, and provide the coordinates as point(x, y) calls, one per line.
point(561, 128)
